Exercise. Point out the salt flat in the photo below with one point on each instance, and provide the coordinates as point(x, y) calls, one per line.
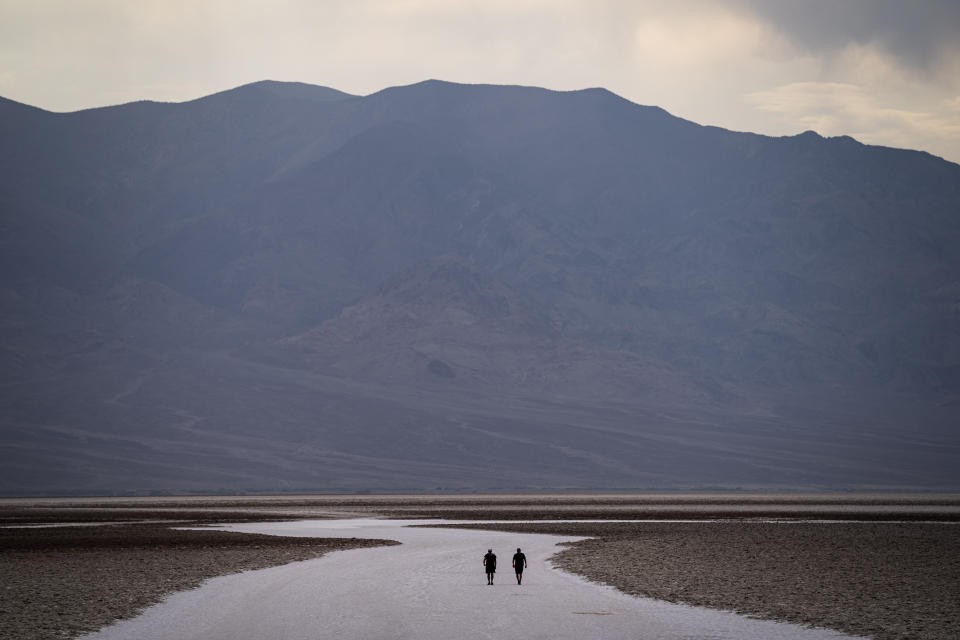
point(432, 587)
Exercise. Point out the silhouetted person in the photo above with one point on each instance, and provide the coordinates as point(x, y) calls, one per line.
point(519, 562)
point(490, 564)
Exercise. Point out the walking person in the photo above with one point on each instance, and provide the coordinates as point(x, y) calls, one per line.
point(519, 563)
point(490, 564)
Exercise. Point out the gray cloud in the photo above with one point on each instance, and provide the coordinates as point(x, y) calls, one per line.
point(917, 32)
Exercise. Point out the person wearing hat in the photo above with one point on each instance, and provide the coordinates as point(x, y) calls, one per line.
point(519, 563)
point(490, 564)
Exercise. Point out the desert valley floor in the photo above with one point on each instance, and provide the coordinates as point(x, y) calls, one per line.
point(878, 566)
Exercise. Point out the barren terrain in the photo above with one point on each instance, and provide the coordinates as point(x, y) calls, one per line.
point(63, 582)
point(882, 580)
point(885, 566)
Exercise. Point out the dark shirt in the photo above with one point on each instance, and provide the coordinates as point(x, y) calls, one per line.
point(519, 561)
point(490, 562)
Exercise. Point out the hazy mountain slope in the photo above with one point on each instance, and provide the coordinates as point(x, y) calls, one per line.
point(282, 285)
point(446, 326)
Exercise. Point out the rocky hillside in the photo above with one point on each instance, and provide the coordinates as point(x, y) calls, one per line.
point(285, 287)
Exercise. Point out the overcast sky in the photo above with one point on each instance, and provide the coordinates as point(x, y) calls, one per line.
point(884, 71)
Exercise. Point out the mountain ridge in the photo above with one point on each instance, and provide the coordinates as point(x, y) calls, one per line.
point(309, 88)
point(269, 286)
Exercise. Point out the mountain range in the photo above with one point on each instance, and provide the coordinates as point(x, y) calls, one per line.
point(283, 287)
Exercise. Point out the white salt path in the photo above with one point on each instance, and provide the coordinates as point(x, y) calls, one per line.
point(432, 587)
